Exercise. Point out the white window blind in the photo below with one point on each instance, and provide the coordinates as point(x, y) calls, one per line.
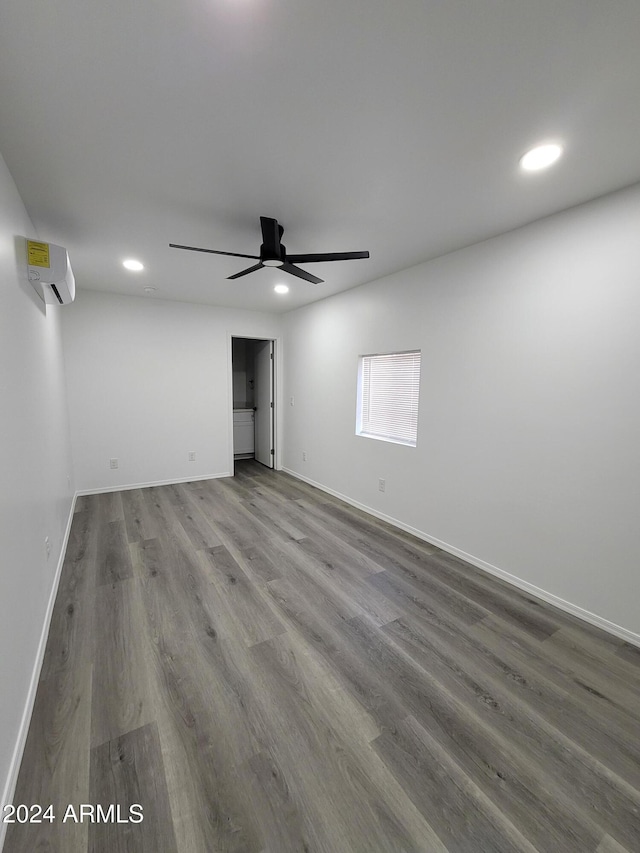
point(389, 387)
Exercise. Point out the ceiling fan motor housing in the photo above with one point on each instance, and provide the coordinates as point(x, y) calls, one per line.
point(271, 258)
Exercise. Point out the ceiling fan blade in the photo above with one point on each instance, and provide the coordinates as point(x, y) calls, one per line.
point(212, 251)
point(301, 273)
point(246, 272)
point(271, 233)
point(327, 256)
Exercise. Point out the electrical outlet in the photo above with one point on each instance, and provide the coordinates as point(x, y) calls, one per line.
point(291, 401)
point(47, 546)
point(113, 463)
point(192, 456)
point(382, 484)
point(304, 455)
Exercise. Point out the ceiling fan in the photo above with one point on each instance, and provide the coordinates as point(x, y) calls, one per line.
point(274, 254)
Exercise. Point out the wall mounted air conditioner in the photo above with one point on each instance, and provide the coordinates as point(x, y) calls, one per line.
point(50, 272)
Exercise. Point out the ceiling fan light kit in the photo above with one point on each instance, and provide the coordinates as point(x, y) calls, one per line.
point(273, 253)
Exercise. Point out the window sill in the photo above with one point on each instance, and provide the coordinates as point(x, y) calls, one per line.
point(388, 440)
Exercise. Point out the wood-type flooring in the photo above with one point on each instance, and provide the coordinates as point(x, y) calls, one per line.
point(264, 669)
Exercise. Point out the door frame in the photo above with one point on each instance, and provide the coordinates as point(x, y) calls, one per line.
point(277, 394)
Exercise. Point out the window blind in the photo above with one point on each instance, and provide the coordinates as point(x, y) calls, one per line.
point(389, 391)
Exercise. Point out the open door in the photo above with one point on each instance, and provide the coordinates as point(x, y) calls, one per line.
point(264, 446)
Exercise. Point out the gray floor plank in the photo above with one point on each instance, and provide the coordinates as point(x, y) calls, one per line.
point(498, 733)
point(69, 642)
point(141, 522)
point(109, 506)
point(128, 773)
point(113, 556)
point(601, 733)
point(321, 746)
point(609, 845)
point(462, 815)
point(55, 764)
point(245, 614)
point(121, 700)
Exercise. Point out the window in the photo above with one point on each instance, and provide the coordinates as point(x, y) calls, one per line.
point(388, 390)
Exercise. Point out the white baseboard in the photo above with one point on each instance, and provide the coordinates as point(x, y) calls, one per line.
point(102, 490)
point(586, 615)
point(16, 759)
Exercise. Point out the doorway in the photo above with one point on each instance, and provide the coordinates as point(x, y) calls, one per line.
point(253, 382)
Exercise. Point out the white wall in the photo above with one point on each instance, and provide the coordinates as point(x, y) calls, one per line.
point(35, 460)
point(528, 452)
point(149, 381)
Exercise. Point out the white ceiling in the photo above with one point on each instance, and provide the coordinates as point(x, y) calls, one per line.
point(359, 124)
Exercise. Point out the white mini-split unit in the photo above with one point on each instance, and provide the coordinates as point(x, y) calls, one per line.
point(50, 272)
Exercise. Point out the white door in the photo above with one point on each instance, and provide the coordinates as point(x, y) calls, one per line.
point(264, 450)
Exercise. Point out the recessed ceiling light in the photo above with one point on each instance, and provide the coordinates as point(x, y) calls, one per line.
point(134, 266)
point(281, 288)
point(541, 157)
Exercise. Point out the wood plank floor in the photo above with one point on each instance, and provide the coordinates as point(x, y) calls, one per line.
point(265, 669)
